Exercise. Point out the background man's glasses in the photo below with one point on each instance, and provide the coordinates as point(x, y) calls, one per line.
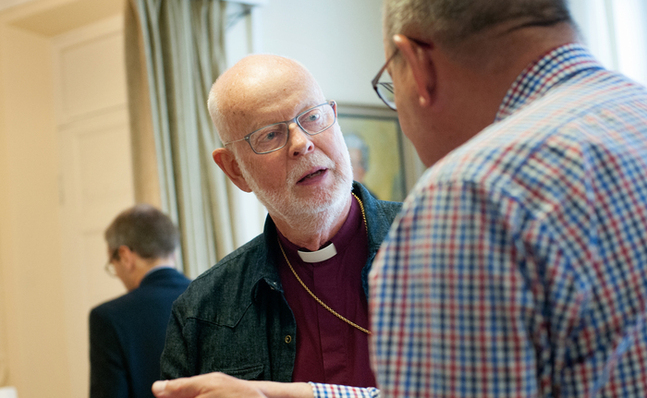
point(275, 136)
point(383, 84)
point(110, 267)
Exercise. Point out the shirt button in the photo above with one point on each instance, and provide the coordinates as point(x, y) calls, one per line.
point(288, 339)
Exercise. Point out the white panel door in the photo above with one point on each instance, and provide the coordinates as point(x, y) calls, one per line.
point(96, 172)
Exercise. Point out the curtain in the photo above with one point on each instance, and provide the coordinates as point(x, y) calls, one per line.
point(174, 52)
point(616, 33)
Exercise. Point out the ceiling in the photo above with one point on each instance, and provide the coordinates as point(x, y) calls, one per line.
point(53, 17)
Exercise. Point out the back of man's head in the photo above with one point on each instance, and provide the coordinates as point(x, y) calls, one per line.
point(451, 21)
point(145, 230)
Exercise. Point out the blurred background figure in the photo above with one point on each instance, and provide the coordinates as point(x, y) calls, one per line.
point(127, 333)
point(359, 155)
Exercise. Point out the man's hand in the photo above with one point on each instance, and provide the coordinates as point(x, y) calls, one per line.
point(220, 385)
point(211, 385)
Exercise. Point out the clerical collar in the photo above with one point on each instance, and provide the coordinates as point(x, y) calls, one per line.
point(337, 245)
point(319, 255)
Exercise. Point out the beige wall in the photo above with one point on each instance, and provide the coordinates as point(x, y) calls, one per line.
point(30, 227)
point(37, 319)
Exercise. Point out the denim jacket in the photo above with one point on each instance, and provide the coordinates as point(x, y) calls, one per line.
point(234, 317)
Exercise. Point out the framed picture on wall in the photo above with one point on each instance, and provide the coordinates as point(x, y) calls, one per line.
point(384, 161)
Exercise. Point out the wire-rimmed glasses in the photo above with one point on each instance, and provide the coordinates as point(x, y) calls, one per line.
point(383, 84)
point(275, 136)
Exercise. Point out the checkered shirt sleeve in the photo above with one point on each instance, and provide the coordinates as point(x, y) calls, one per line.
point(518, 266)
point(337, 391)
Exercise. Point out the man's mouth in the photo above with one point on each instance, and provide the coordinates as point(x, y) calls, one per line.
point(312, 175)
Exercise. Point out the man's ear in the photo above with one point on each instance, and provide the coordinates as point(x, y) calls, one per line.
point(127, 257)
point(228, 163)
point(418, 57)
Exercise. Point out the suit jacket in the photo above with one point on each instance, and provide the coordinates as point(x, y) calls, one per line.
point(127, 336)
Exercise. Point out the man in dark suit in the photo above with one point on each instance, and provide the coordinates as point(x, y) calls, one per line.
point(127, 333)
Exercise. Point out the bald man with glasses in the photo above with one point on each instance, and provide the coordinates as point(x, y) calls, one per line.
point(290, 305)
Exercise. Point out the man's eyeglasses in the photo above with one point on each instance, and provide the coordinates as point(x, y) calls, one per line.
point(383, 84)
point(110, 267)
point(275, 136)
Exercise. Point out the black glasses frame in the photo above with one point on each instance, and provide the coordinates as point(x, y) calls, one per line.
point(388, 86)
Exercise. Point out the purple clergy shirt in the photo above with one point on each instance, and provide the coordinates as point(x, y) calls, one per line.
point(328, 349)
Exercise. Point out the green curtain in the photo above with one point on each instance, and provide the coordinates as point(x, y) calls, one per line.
point(174, 52)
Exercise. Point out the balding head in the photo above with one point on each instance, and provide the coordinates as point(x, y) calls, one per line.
point(254, 84)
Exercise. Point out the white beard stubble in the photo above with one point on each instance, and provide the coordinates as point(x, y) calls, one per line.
point(312, 214)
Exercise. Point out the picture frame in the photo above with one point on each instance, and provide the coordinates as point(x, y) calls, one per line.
point(383, 159)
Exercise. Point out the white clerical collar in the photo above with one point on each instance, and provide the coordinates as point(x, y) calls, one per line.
point(319, 255)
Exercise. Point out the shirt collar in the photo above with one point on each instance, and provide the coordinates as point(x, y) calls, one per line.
point(341, 240)
point(157, 268)
point(555, 67)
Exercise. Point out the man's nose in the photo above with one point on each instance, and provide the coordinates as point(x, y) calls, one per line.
point(300, 142)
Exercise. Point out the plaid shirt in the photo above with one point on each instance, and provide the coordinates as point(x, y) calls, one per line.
point(518, 266)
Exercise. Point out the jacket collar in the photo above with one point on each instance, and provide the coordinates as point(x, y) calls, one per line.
point(159, 274)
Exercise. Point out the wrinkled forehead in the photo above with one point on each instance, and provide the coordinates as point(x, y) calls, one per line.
point(256, 100)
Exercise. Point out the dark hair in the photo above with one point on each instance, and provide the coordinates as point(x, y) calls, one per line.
point(145, 230)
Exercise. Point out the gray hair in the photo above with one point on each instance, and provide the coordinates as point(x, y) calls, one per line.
point(145, 230)
point(214, 112)
point(451, 21)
